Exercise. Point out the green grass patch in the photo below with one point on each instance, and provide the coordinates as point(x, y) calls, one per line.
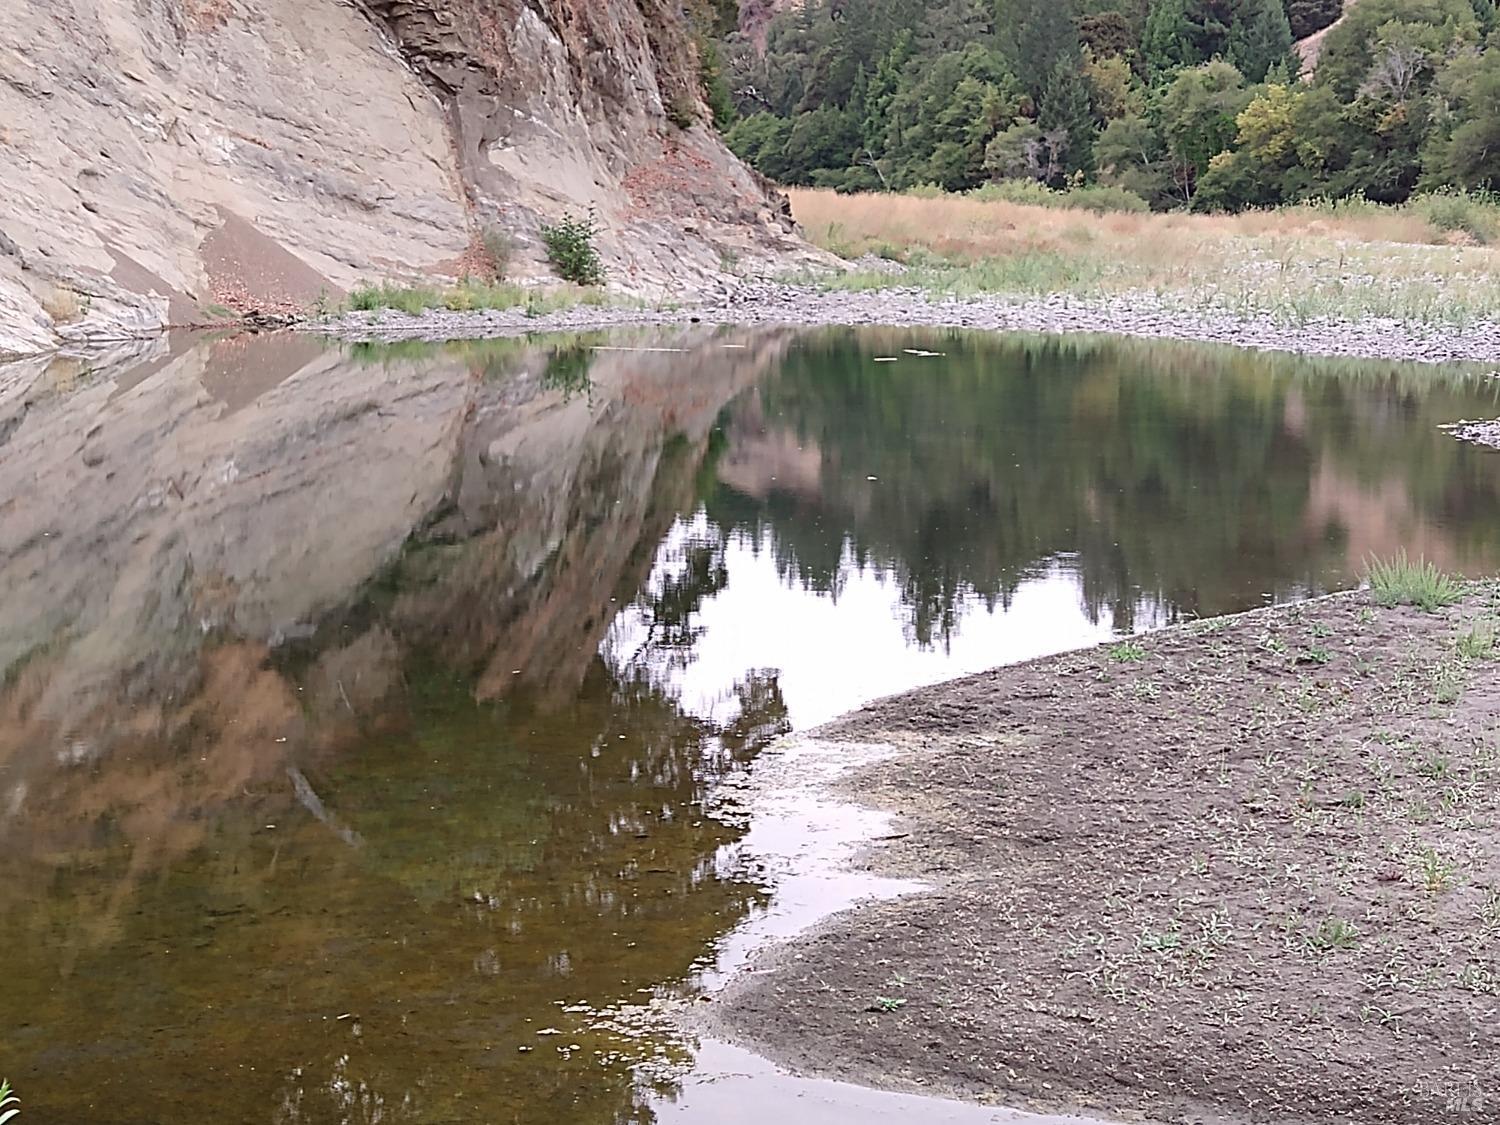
point(1477, 642)
point(471, 296)
point(1031, 272)
point(1333, 934)
point(1400, 581)
point(1098, 198)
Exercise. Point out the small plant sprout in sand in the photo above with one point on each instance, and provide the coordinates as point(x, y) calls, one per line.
point(1332, 934)
point(1127, 652)
point(1477, 642)
point(1435, 871)
point(9, 1103)
point(1489, 909)
point(1400, 581)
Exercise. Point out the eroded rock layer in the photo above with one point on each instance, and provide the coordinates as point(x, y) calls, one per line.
point(167, 160)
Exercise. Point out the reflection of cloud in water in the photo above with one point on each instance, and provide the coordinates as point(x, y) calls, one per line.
point(835, 652)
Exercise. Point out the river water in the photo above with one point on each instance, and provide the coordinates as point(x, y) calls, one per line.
point(365, 708)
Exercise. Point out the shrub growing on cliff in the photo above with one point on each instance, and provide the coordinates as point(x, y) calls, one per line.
point(715, 84)
point(499, 248)
point(571, 250)
point(681, 111)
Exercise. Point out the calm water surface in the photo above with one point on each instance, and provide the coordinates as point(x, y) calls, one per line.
point(360, 705)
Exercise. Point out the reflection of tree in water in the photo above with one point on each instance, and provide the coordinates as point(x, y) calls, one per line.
point(568, 367)
point(550, 846)
point(1168, 476)
point(674, 593)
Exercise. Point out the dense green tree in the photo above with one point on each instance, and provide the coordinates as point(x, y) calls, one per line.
point(760, 140)
point(1350, 51)
point(1252, 34)
point(1466, 149)
point(1064, 107)
point(1182, 33)
point(1110, 35)
point(939, 124)
point(882, 88)
point(1114, 90)
point(1036, 37)
point(1198, 112)
point(825, 137)
point(1131, 154)
point(1254, 174)
point(715, 84)
point(1143, 94)
point(1260, 38)
point(1308, 16)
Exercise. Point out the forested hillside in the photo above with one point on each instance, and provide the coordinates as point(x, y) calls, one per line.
point(1185, 103)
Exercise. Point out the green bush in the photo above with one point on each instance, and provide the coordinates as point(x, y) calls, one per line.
point(1459, 211)
point(1403, 582)
point(1031, 192)
point(1098, 198)
point(571, 250)
point(1102, 199)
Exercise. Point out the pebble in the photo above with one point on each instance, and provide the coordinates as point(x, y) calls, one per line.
point(777, 303)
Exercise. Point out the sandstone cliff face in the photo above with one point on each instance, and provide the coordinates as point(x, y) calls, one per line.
point(162, 158)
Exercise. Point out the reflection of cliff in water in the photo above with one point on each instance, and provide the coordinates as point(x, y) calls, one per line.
point(303, 718)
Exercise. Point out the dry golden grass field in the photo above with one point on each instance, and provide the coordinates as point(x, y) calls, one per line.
point(1425, 263)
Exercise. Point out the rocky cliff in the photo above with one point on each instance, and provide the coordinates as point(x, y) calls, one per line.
point(164, 160)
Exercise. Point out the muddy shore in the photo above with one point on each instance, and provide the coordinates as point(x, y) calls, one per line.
point(1132, 314)
point(1240, 870)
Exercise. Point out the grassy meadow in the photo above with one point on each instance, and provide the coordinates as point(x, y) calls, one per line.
point(1426, 263)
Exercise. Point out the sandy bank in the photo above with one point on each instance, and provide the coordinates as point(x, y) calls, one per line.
point(1243, 870)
